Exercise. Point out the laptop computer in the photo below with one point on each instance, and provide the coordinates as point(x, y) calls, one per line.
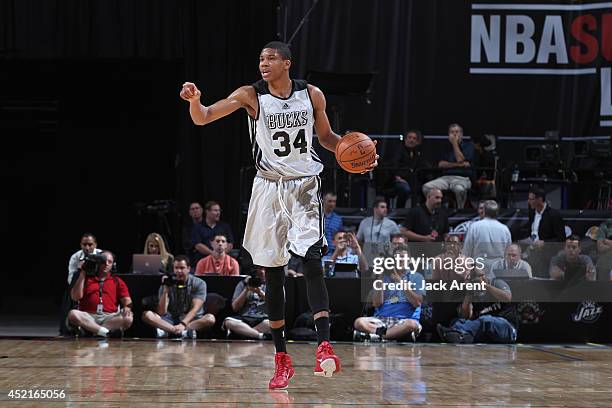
point(340, 270)
point(512, 273)
point(147, 264)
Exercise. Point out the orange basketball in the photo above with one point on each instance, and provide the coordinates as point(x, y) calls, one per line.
point(355, 152)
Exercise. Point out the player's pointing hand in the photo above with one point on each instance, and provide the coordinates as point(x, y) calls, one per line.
point(190, 92)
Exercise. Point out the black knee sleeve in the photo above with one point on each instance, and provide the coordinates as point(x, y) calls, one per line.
point(316, 291)
point(275, 293)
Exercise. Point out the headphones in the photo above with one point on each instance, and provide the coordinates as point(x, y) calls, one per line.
point(114, 267)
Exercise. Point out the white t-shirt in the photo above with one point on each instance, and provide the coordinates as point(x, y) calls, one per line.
point(536, 223)
point(73, 263)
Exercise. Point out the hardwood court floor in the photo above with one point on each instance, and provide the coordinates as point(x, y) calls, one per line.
point(218, 374)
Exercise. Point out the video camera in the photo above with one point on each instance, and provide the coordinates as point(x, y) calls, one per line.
point(255, 281)
point(170, 279)
point(91, 262)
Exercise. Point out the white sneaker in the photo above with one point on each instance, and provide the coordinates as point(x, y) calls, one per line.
point(416, 333)
point(190, 334)
point(161, 334)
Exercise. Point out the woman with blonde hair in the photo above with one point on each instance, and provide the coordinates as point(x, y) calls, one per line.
point(155, 245)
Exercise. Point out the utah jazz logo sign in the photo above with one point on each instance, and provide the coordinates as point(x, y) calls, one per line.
point(587, 312)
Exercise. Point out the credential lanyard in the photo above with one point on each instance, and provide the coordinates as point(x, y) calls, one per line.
point(100, 308)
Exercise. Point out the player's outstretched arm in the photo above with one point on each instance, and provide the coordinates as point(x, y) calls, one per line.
point(327, 138)
point(326, 135)
point(242, 97)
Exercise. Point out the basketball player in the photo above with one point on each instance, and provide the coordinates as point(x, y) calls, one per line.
point(285, 212)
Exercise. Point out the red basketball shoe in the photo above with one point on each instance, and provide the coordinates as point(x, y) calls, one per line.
point(283, 371)
point(327, 362)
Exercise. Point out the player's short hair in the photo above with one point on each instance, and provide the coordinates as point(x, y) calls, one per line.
point(281, 47)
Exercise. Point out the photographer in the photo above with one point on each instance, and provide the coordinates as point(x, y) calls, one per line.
point(397, 311)
point(249, 301)
point(484, 316)
point(100, 295)
point(89, 245)
point(180, 311)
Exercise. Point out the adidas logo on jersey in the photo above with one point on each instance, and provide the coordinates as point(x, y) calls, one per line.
point(286, 106)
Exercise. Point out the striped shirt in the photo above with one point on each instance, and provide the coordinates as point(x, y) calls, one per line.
point(333, 223)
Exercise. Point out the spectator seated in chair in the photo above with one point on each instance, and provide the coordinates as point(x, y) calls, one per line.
point(604, 250)
point(512, 264)
point(203, 233)
point(155, 245)
point(333, 222)
point(445, 264)
point(347, 250)
point(219, 262)
point(407, 177)
point(457, 167)
point(570, 264)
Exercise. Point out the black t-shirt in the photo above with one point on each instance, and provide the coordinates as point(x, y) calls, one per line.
point(202, 233)
point(419, 220)
point(485, 304)
point(409, 161)
point(573, 270)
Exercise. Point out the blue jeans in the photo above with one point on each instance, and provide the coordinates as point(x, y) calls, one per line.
point(403, 192)
point(487, 328)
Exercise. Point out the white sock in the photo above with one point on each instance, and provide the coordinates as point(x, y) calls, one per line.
point(103, 331)
point(261, 336)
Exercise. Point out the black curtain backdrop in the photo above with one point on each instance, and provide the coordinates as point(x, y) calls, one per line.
point(90, 102)
point(89, 96)
point(421, 53)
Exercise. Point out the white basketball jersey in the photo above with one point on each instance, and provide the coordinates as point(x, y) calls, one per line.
point(281, 135)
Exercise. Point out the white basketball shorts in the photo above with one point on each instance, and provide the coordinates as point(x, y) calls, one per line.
point(284, 215)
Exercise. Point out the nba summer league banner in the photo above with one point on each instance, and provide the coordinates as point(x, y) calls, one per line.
point(566, 45)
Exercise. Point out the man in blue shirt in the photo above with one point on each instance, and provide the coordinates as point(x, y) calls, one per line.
point(333, 222)
point(397, 309)
point(347, 251)
point(456, 165)
point(203, 233)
